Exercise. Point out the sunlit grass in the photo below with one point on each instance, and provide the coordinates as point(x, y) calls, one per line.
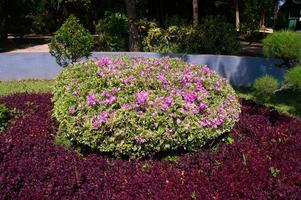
point(30, 86)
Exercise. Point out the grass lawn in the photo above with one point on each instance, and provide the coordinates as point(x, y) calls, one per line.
point(30, 86)
point(287, 101)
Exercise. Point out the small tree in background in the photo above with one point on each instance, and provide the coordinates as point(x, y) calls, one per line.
point(71, 42)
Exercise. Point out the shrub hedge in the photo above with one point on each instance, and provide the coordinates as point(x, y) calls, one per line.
point(285, 45)
point(138, 107)
point(293, 78)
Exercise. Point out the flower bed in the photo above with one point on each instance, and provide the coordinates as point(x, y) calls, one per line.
point(263, 162)
point(137, 107)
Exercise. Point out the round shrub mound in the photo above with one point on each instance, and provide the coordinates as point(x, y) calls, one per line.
point(137, 107)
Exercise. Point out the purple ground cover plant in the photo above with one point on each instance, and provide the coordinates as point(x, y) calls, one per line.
point(262, 162)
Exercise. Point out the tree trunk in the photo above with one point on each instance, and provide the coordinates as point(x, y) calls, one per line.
point(237, 21)
point(262, 19)
point(133, 27)
point(195, 11)
point(3, 20)
point(275, 15)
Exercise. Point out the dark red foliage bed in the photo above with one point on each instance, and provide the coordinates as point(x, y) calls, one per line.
point(264, 162)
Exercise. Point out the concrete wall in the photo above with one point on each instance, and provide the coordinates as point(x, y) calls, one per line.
point(240, 71)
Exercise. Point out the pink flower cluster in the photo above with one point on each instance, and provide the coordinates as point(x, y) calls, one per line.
point(154, 85)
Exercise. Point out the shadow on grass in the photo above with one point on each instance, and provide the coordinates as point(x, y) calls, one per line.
point(286, 101)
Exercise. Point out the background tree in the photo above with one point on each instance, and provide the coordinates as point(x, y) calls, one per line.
point(3, 19)
point(195, 8)
point(133, 25)
point(237, 20)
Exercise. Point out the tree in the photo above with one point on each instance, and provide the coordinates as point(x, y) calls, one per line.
point(3, 18)
point(237, 21)
point(133, 25)
point(71, 42)
point(195, 11)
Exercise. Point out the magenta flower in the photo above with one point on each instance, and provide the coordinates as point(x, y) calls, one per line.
point(127, 80)
point(75, 93)
point(163, 79)
point(141, 97)
point(103, 61)
point(202, 106)
point(190, 97)
point(91, 98)
point(111, 100)
point(72, 110)
point(102, 117)
point(95, 121)
point(167, 103)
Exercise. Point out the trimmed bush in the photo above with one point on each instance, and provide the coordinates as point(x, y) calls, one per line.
point(71, 42)
point(285, 45)
point(293, 77)
point(4, 116)
point(137, 107)
point(264, 87)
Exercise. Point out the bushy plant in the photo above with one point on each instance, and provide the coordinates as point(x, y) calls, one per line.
point(264, 87)
point(138, 107)
point(293, 77)
point(218, 37)
point(4, 116)
point(213, 36)
point(161, 40)
point(285, 45)
point(112, 32)
point(71, 42)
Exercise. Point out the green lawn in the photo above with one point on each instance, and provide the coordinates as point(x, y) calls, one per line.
point(30, 86)
point(287, 101)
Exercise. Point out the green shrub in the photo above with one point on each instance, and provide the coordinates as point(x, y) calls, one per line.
point(264, 87)
point(293, 77)
point(285, 45)
point(71, 42)
point(163, 41)
point(137, 107)
point(214, 36)
point(218, 37)
point(112, 32)
point(4, 116)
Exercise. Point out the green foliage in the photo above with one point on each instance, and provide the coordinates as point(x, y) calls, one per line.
point(112, 32)
point(274, 171)
point(264, 87)
point(285, 45)
point(214, 36)
point(218, 37)
point(99, 104)
point(4, 116)
point(163, 41)
point(71, 42)
point(293, 78)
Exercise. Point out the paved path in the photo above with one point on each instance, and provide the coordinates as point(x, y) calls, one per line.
point(240, 71)
point(36, 48)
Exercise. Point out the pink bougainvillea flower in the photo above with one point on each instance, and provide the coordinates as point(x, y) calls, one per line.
point(91, 98)
point(72, 110)
point(142, 97)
